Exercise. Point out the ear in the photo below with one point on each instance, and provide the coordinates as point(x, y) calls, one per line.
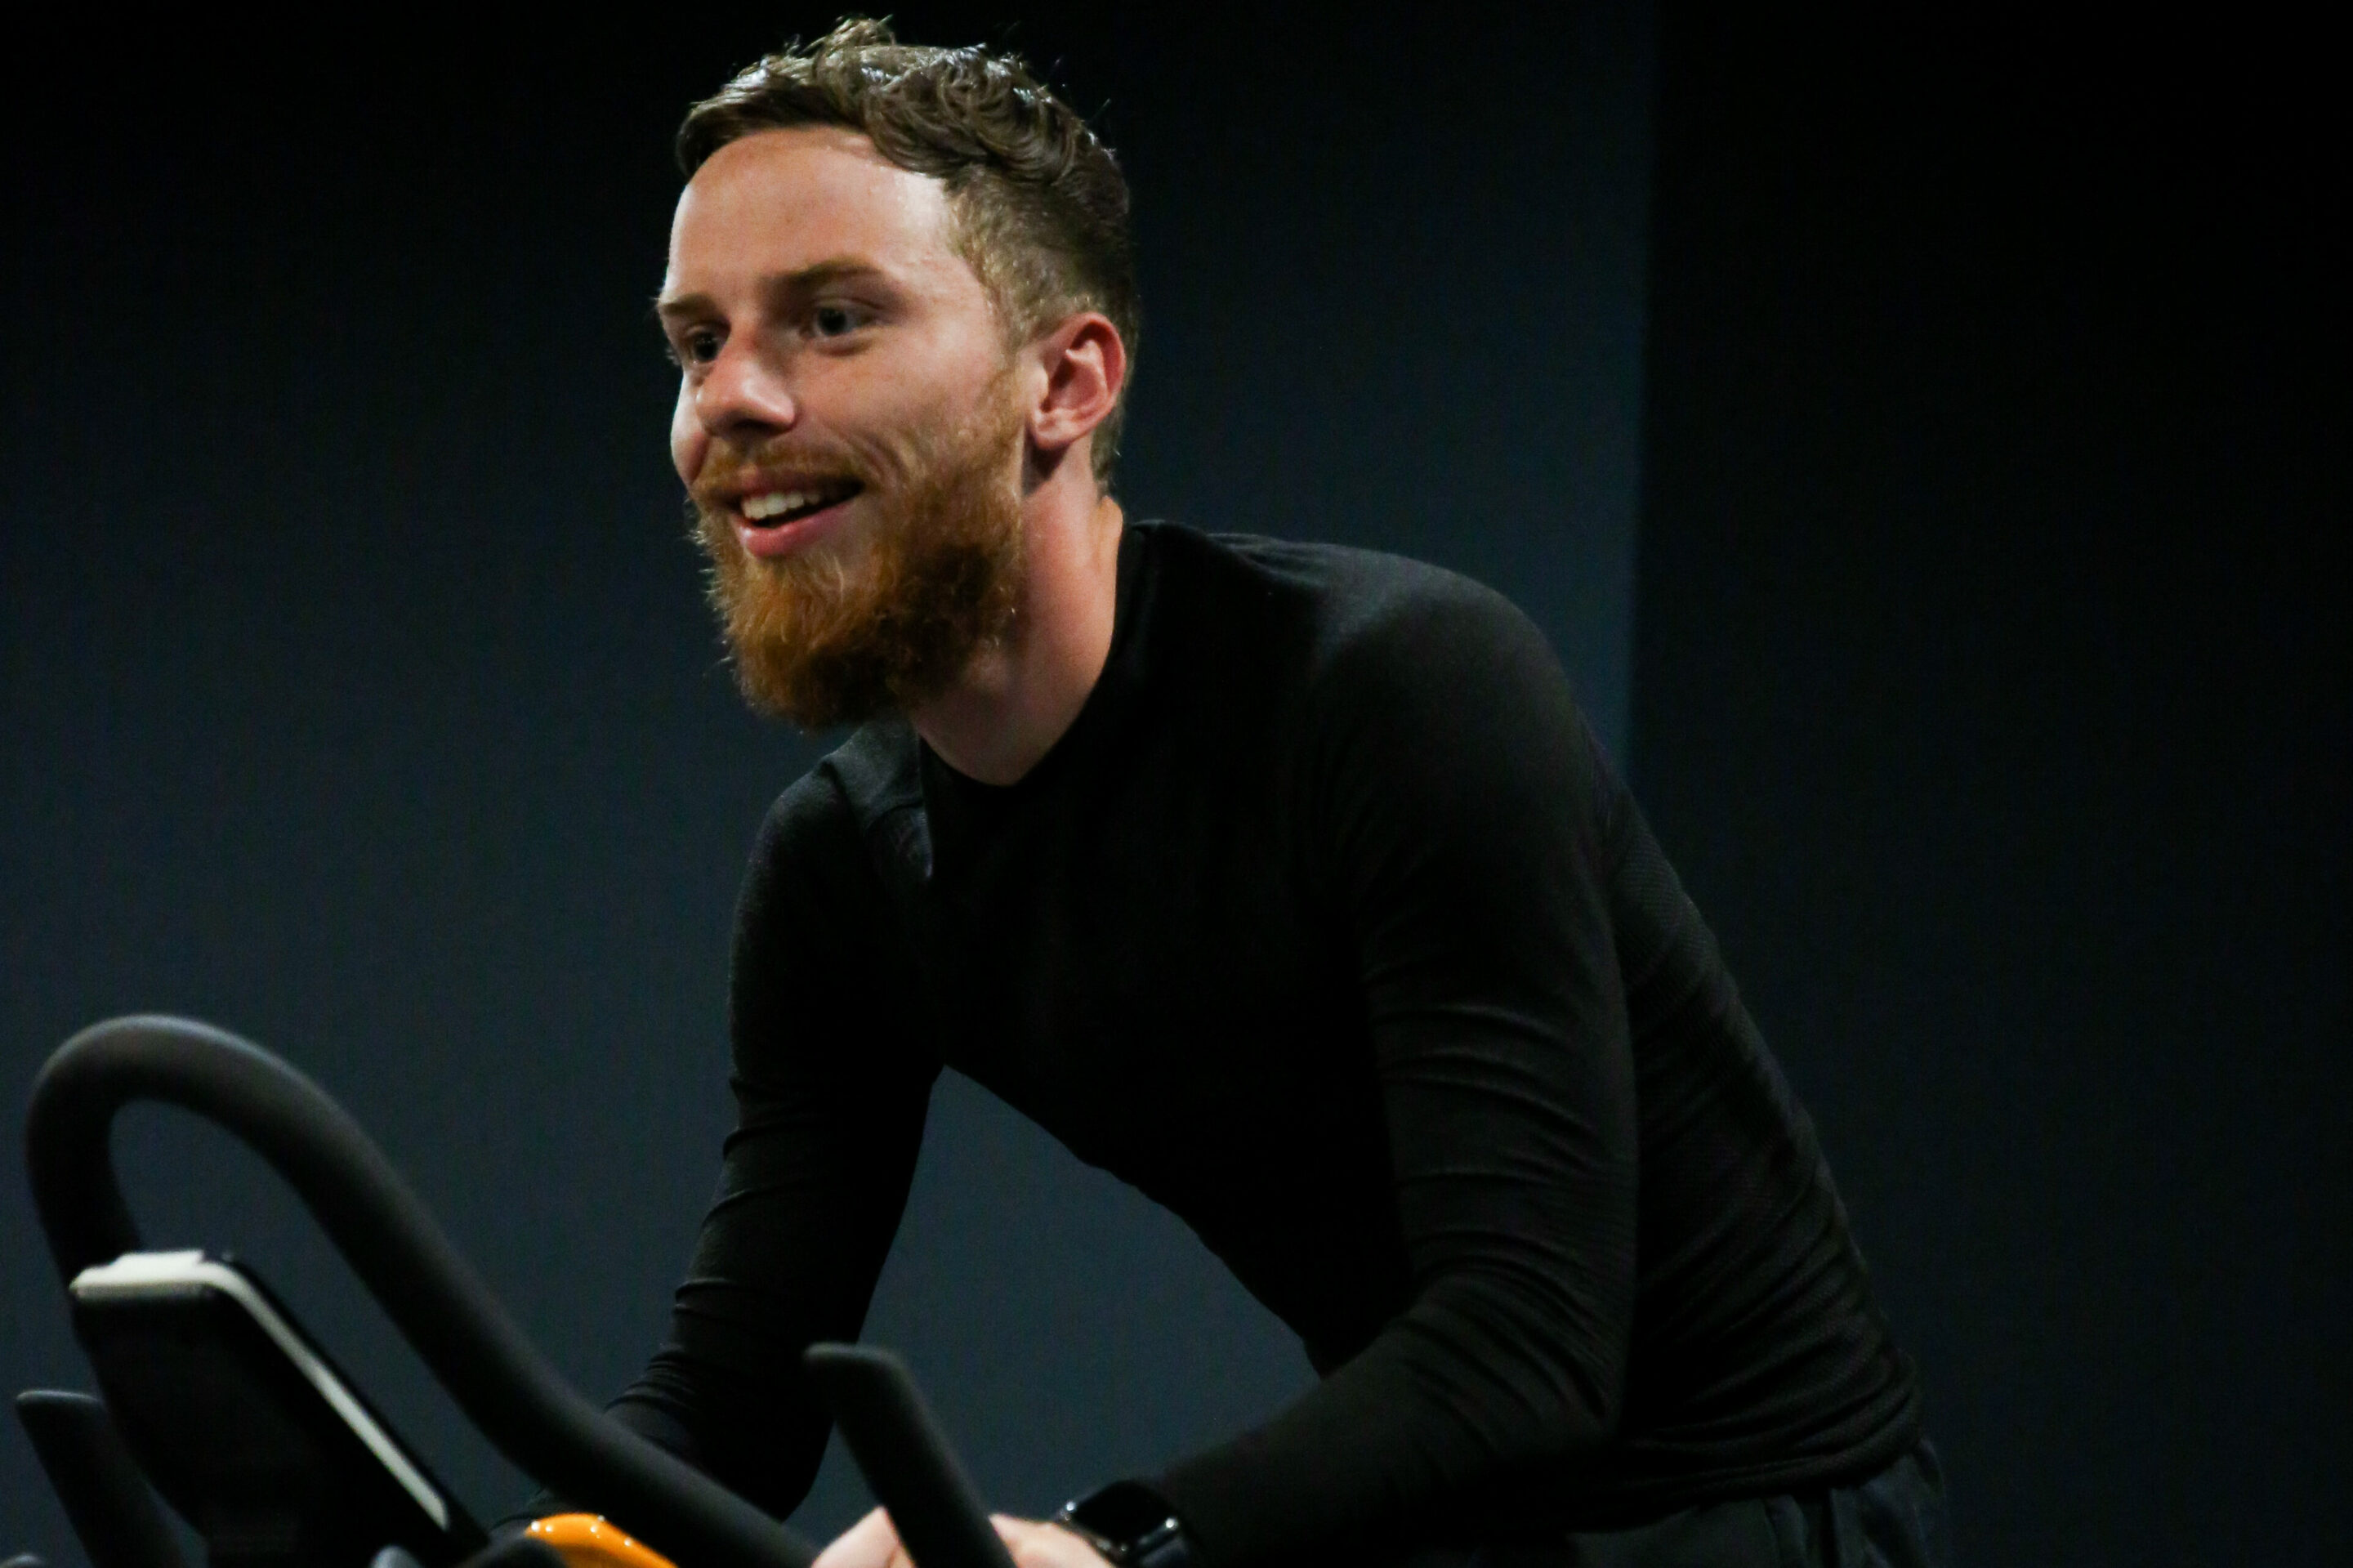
point(1086, 366)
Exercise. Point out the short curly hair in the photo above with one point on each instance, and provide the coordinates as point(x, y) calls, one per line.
point(1038, 204)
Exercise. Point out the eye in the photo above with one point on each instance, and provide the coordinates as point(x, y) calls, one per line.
point(698, 345)
point(837, 319)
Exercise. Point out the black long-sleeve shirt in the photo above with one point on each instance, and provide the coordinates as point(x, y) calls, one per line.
point(1328, 927)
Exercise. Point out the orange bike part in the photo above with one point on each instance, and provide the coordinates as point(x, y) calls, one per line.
point(584, 1541)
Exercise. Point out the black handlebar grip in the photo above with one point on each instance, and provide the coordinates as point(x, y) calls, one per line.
point(517, 1551)
point(908, 1462)
point(106, 1495)
point(429, 1291)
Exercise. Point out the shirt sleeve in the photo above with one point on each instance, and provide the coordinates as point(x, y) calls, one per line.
point(1459, 798)
point(832, 1084)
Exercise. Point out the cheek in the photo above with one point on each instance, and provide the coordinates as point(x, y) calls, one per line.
point(688, 440)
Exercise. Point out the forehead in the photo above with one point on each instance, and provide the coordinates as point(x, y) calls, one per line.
point(781, 200)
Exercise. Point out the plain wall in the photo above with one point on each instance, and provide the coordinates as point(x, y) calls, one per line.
point(1994, 697)
point(356, 692)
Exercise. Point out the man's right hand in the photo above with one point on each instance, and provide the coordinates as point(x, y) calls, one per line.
point(871, 1543)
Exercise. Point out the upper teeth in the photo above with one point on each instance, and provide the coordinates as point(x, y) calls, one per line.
point(776, 502)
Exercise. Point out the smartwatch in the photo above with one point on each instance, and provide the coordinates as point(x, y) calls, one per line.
point(1131, 1524)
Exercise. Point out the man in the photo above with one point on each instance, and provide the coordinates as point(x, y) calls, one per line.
point(1286, 883)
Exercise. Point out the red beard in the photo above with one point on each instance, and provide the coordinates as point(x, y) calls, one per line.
point(856, 626)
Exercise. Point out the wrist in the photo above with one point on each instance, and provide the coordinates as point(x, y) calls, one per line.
point(1132, 1525)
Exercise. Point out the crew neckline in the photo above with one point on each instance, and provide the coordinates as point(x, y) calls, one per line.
point(1105, 695)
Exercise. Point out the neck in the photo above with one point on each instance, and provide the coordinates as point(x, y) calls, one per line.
point(1019, 695)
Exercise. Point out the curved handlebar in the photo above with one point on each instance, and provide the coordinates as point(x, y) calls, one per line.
point(445, 1311)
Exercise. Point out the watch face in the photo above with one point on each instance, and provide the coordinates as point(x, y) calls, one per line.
point(1124, 1511)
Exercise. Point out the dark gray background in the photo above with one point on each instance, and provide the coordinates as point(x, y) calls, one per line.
point(1994, 696)
point(360, 697)
point(1986, 670)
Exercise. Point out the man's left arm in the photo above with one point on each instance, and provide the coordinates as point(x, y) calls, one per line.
point(1463, 804)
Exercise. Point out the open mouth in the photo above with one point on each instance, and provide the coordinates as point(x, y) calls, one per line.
point(775, 521)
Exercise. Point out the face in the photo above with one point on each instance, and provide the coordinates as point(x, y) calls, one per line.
point(848, 426)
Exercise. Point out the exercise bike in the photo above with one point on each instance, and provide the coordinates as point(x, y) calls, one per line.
point(211, 1394)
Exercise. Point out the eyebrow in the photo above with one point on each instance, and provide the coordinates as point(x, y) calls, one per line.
point(802, 281)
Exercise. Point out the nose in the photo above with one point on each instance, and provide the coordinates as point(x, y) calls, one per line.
point(743, 398)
